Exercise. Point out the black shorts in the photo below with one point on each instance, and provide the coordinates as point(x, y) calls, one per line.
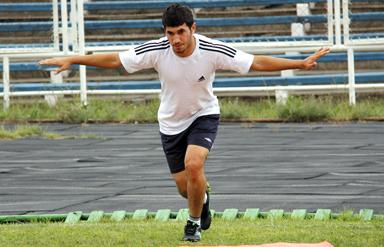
point(202, 132)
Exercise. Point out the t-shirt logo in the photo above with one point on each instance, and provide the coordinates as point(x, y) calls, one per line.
point(202, 78)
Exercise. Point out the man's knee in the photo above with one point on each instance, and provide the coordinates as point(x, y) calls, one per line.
point(194, 167)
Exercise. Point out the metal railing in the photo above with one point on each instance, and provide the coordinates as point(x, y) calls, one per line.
point(71, 29)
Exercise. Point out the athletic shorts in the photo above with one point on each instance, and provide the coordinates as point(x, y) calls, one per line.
point(202, 132)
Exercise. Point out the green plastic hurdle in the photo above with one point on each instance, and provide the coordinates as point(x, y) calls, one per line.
point(167, 215)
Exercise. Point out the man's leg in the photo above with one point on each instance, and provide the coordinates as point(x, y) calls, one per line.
point(193, 175)
point(186, 154)
point(192, 185)
point(180, 179)
point(196, 182)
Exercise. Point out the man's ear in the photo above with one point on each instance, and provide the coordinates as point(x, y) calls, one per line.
point(193, 27)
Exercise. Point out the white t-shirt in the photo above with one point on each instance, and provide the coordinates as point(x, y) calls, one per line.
point(186, 82)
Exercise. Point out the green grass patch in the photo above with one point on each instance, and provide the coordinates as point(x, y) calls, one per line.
point(120, 110)
point(340, 233)
point(26, 131)
point(247, 109)
point(71, 111)
point(304, 109)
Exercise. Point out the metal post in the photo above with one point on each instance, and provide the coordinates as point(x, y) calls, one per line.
point(297, 29)
point(56, 36)
point(351, 77)
point(64, 25)
point(73, 16)
point(83, 71)
point(337, 23)
point(51, 99)
point(346, 21)
point(281, 96)
point(330, 21)
point(6, 90)
point(302, 9)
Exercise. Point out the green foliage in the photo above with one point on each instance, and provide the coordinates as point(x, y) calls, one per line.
point(23, 112)
point(20, 132)
point(303, 110)
point(141, 112)
point(73, 113)
point(247, 108)
point(297, 109)
point(25, 131)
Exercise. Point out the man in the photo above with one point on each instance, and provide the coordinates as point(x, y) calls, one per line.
point(189, 112)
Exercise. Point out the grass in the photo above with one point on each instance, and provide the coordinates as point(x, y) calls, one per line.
point(248, 109)
point(297, 109)
point(340, 233)
point(311, 109)
point(25, 131)
point(72, 112)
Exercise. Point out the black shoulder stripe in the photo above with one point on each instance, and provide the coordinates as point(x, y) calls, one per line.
point(164, 42)
point(151, 44)
point(217, 50)
point(152, 49)
point(218, 45)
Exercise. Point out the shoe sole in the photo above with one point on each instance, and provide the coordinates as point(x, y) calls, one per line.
point(191, 239)
point(207, 223)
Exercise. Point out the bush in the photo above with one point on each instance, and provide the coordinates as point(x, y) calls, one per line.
point(232, 109)
point(298, 109)
point(73, 114)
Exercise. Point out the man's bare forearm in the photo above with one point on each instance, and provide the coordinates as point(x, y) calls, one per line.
point(267, 63)
point(109, 60)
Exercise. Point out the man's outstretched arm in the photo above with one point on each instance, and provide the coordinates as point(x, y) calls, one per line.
point(267, 63)
point(108, 61)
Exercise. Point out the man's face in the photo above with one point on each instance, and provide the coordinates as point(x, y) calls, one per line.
point(181, 39)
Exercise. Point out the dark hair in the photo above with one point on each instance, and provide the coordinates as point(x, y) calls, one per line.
point(176, 15)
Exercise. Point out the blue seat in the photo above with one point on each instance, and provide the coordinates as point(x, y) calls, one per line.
point(147, 4)
point(161, 4)
point(26, 7)
point(204, 22)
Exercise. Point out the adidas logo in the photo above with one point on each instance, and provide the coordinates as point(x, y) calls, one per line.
point(202, 78)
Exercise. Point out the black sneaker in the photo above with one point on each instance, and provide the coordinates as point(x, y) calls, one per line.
point(192, 232)
point(206, 217)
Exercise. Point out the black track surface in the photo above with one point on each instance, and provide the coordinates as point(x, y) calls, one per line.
point(266, 166)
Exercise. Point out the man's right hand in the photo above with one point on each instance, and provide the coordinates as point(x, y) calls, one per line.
point(107, 61)
point(62, 63)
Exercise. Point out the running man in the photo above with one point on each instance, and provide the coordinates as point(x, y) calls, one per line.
point(189, 112)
